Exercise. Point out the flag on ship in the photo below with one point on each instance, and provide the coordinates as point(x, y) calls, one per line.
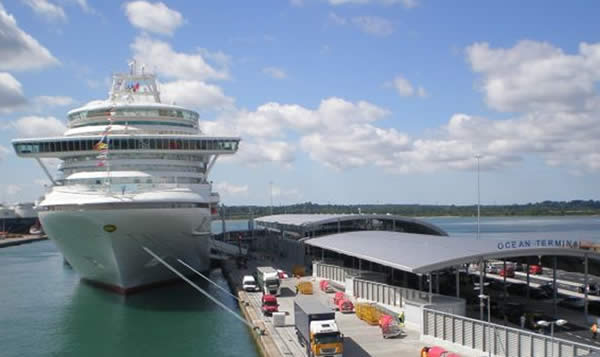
point(101, 146)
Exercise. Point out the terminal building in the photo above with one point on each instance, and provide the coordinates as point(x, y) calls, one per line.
point(409, 264)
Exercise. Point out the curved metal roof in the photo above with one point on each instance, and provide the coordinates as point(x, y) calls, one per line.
point(422, 253)
point(309, 222)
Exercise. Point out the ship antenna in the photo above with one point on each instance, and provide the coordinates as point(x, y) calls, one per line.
point(132, 67)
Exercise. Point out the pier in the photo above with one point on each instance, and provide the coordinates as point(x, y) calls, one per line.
point(9, 242)
point(404, 265)
point(360, 339)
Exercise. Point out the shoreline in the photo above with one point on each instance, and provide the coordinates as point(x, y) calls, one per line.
point(11, 242)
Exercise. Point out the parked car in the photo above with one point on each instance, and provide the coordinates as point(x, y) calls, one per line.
point(492, 269)
point(517, 289)
point(508, 272)
point(539, 294)
point(282, 274)
point(249, 283)
point(269, 304)
point(592, 289)
point(548, 288)
point(535, 269)
point(572, 302)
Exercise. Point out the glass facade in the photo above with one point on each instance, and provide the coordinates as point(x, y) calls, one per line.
point(136, 112)
point(137, 143)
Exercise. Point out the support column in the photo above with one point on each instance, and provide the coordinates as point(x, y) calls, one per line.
point(528, 281)
point(481, 270)
point(420, 282)
point(458, 281)
point(430, 287)
point(554, 287)
point(504, 286)
point(585, 284)
point(437, 282)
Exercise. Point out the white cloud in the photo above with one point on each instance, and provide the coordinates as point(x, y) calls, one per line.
point(195, 94)
point(228, 189)
point(297, 3)
point(4, 151)
point(374, 25)
point(53, 101)
point(405, 88)
point(12, 189)
point(537, 76)
point(47, 10)
point(287, 194)
point(153, 17)
point(18, 50)
point(11, 93)
point(406, 3)
point(354, 146)
point(337, 19)
point(159, 55)
point(35, 126)
point(83, 4)
point(275, 72)
point(253, 152)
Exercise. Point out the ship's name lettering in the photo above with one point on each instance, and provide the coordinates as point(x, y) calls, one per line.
point(536, 243)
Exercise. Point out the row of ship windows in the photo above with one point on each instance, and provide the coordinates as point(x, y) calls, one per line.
point(135, 112)
point(146, 167)
point(137, 156)
point(128, 144)
point(134, 122)
point(131, 180)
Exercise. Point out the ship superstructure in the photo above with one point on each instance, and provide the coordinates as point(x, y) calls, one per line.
point(134, 172)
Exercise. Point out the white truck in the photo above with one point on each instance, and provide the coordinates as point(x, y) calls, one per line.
point(268, 280)
point(316, 328)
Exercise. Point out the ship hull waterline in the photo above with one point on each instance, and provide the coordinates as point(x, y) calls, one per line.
point(105, 247)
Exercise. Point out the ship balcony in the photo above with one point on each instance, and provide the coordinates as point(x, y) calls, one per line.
point(64, 147)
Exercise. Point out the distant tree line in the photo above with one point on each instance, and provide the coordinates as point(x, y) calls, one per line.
point(545, 208)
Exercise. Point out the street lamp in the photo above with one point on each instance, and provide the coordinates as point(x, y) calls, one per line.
point(481, 298)
point(478, 156)
point(545, 323)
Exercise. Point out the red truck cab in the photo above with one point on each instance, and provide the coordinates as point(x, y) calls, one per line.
point(535, 269)
point(508, 272)
point(269, 304)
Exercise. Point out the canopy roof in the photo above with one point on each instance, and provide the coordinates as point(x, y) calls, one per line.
point(319, 224)
point(422, 253)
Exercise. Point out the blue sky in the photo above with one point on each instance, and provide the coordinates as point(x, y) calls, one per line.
point(342, 101)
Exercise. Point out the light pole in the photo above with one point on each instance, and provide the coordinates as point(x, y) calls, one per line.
point(481, 298)
point(559, 322)
point(271, 187)
point(478, 156)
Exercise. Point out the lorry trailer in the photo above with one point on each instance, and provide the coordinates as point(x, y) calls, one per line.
point(268, 280)
point(316, 328)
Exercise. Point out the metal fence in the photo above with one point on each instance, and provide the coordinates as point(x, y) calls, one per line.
point(334, 272)
point(500, 340)
point(386, 294)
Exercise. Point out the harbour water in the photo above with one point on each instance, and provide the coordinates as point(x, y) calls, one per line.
point(46, 311)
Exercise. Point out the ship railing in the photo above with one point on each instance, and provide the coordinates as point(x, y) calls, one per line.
point(121, 188)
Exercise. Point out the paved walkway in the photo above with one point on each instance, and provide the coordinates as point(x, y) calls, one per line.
point(360, 340)
point(9, 242)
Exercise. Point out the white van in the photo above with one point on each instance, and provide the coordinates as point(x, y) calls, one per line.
point(249, 284)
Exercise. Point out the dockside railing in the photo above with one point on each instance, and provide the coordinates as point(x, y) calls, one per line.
point(502, 341)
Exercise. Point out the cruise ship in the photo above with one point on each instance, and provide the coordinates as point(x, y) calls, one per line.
point(134, 172)
point(18, 218)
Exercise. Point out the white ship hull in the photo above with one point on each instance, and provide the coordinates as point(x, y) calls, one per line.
point(116, 259)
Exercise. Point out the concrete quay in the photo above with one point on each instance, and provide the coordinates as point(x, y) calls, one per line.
point(9, 242)
point(360, 340)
